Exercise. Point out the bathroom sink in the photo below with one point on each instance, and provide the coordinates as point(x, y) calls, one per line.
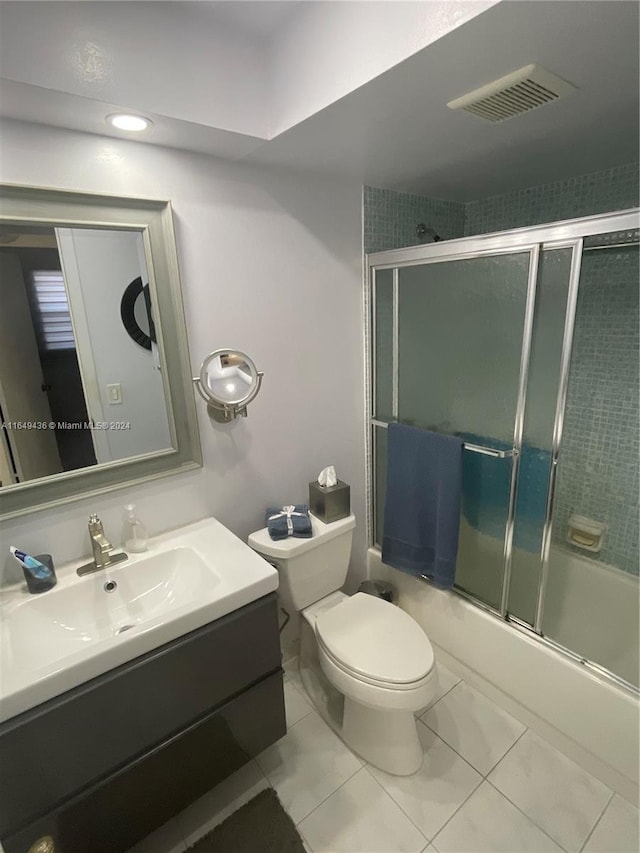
point(88, 625)
point(51, 627)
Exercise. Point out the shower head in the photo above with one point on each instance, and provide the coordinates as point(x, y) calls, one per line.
point(422, 230)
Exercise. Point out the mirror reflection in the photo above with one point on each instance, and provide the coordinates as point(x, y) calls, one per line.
point(80, 374)
point(229, 377)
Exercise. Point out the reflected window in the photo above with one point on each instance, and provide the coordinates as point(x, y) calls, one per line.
point(52, 318)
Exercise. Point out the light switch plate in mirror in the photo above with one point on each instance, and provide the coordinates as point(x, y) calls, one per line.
point(71, 329)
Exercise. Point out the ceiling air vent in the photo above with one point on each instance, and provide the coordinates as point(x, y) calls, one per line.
point(525, 89)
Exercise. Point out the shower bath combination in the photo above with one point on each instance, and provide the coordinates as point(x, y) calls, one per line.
point(531, 392)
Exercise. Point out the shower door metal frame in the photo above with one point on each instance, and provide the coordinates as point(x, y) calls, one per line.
point(533, 251)
point(535, 239)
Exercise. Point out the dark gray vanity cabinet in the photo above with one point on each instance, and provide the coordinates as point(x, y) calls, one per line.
point(106, 763)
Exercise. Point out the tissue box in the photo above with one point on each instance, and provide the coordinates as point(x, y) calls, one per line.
point(329, 503)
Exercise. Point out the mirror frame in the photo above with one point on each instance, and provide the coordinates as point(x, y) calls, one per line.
point(154, 219)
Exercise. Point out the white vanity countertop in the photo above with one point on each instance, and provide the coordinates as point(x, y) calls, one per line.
point(56, 640)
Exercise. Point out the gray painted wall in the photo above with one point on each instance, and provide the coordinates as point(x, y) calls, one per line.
point(271, 263)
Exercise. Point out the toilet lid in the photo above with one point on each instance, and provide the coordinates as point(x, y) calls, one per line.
point(375, 639)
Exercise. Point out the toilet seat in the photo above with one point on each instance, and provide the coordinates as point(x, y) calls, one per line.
point(375, 682)
point(375, 642)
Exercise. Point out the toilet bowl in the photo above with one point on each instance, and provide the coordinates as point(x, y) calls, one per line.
point(382, 662)
point(365, 663)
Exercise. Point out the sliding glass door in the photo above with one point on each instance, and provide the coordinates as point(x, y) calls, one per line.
point(589, 600)
point(454, 362)
point(525, 344)
point(530, 517)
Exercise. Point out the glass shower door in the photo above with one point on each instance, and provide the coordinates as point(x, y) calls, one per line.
point(590, 601)
point(552, 293)
point(461, 327)
point(525, 345)
point(454, 332)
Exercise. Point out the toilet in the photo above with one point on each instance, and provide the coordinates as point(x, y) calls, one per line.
point(365, 663)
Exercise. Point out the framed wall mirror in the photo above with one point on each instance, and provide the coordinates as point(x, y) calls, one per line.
point(95, 379)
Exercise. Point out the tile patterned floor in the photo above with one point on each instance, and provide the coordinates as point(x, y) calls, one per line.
point(487, 784)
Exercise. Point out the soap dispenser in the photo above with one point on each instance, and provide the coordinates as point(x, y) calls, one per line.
point(134, 533)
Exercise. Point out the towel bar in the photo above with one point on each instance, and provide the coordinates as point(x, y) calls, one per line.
point(473, 448)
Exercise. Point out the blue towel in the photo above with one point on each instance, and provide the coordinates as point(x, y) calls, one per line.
point(422, 504)
point(283, 521)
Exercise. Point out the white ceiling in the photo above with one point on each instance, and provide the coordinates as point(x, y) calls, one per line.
point(25, 102)
point(262, 18)
point(396, 131)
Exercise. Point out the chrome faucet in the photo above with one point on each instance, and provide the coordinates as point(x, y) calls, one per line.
point(103, 553)
point(99, 542)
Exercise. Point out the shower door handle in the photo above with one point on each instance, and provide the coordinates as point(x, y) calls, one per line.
point(490, 451)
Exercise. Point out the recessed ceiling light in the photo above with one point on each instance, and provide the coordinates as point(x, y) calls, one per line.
point(124, 121)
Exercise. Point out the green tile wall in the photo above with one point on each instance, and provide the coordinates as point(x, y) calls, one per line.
point(597, 192)
point(598, 471)
point(390, 218)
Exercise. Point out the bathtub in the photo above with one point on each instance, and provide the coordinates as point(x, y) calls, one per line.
point(588, 718)
point(591, 608)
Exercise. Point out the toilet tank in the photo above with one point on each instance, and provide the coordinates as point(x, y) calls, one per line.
point(311, 568)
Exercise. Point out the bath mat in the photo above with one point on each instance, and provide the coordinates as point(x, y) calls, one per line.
point(260, 826)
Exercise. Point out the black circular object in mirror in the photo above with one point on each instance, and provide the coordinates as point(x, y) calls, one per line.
point(133, 312)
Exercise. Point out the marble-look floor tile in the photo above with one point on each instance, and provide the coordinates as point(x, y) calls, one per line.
point(446, 680)
point(296, 704)
point(433, 794)
point(552, 790)
point(220, 802)
point(307, 765)
point(292, 676)
point(360, 817)
point(291, 667)
point(617, 829)
point(166, 839)
point(474, 726)
point(489, 823)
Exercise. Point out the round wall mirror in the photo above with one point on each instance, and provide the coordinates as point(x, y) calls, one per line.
point(228, 382)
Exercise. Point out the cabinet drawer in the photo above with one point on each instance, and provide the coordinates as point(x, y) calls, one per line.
point(59, 748)
point(114, 815)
